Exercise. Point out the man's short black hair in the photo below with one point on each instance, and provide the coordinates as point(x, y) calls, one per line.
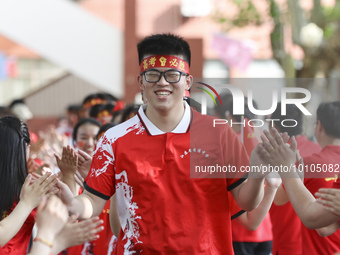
point(329, 116)
point(292, 112)
point(163, 44)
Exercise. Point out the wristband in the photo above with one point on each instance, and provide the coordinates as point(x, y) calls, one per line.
point(44, 241)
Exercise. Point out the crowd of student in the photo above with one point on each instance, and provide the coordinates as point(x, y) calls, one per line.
point(282, 232)
point(122, 173)
point(64, 152)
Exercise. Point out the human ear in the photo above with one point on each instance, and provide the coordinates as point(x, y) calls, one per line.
point(140, 82)
point(189, 81)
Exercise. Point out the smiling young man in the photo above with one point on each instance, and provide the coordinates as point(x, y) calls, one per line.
point(147, 162)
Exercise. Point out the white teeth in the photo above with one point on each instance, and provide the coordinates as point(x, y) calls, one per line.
point(163, 93)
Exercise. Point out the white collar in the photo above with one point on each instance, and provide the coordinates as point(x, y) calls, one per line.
point(181, 128)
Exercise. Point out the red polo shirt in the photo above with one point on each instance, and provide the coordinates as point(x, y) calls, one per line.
point(312, 243)
point(286, 229)
point(161, 208)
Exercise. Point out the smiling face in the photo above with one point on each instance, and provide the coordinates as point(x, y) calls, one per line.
point(163, 96)
point(86, 137)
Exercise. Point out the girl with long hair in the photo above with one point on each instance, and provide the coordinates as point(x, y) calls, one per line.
point(17, 197)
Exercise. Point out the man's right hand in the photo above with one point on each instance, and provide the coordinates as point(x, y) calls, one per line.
point(276, 152)
point(64, 193)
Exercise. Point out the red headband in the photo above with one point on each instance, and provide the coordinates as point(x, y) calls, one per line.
point(104, 113)
point(119, 106)
point(93, 102)
point(164, 61)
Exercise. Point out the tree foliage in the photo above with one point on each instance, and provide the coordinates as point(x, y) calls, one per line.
point(319, 58)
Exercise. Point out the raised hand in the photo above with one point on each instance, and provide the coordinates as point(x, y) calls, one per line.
point(276, 152)
point(31, 194)
point(258, 163)
point(75, 233)
point(285, 137)
point(51, 217)
point(64, 193)
point(330, 198)
point(68, 161)
point(84, 163)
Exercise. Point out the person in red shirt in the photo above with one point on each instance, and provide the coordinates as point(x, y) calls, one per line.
point(84, 137)
point(286, 229)
point(312, 214)
point(156, 165)
point(18, 198)
point(245, 241)
point(21, 193)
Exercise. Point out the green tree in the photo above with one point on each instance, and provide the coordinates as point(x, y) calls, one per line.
point(320, 58)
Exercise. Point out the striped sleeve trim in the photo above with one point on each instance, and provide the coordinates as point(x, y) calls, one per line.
point(238, 182)
point(95, 192)
point(237, 214)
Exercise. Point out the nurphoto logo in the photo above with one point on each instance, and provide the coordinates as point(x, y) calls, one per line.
point(239, 104)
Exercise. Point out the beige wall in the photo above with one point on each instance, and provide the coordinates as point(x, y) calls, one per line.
point(53, 100)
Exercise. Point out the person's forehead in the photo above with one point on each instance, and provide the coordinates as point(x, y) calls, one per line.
point(149, 55)
point(87, 127)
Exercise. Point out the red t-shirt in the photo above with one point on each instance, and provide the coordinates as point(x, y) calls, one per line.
point(325, 164)
point(161, 208)
point(19, 243)
point(286, 229)
point(312, 243)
